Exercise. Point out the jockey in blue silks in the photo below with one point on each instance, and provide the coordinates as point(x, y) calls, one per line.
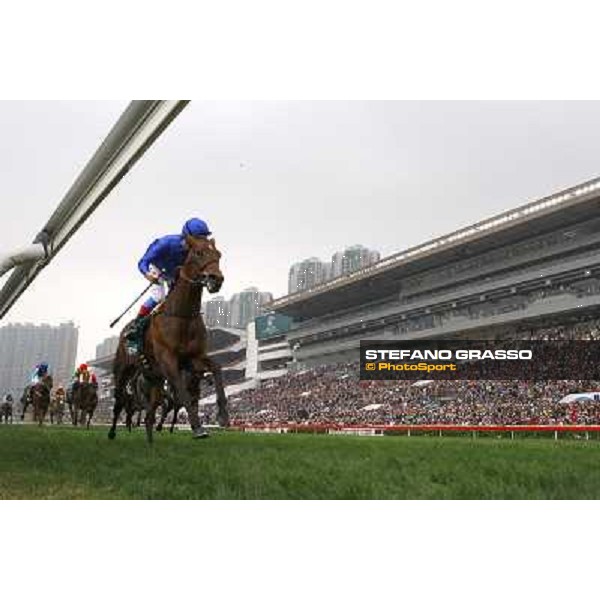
point(39, 372)
point(158, 265)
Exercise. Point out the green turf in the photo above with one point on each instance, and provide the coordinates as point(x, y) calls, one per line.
point(63, 463)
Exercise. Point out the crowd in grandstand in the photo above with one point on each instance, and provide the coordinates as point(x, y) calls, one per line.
point(334, 394)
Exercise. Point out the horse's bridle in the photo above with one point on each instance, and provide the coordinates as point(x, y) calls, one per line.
point(200, 281)
point(194, 283)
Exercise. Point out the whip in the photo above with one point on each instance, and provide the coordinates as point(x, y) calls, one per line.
point(123, 313)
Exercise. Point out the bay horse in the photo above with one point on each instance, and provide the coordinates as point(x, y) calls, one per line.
point(57, 406)
point(84, 402)
point(137, 393)
point(140, 392)
point(175, 344)
point(38, 394)
point(25, 400)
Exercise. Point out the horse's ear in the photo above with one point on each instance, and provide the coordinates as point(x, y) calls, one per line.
point(212, 242)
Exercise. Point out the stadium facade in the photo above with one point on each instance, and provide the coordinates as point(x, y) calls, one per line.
point(268, 353)
point(530, 266)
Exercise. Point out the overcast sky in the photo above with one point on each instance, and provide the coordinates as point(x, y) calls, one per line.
point(277, 182)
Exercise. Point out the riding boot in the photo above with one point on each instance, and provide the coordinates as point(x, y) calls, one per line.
point(134, 334)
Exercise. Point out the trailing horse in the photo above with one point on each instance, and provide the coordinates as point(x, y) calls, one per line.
point(136, 403)
point(6, 409)
point(140, 392)
point(57, 407)
point(175, 345)
point(84, 402)
point(37, 394)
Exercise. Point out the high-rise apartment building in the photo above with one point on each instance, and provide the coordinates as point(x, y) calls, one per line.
point(217, 312)
point(352, 259)
point(107, 347)
point(246, 306)
point(22, 346)
point(307, 274)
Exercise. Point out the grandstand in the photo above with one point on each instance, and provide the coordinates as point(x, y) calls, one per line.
point(536, 265)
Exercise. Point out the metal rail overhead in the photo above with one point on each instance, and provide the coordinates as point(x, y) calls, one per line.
point(138, 127)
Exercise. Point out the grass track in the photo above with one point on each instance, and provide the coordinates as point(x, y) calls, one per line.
point(63, 463)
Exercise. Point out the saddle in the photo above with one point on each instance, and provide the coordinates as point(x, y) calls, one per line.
point(136, 331)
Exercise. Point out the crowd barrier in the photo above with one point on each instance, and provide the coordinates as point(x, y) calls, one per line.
point(374, 430)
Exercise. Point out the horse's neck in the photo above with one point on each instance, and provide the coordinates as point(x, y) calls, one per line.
point(184, 298)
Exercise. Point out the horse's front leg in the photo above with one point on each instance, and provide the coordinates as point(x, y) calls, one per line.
point(25, 404)
point(179, 381)
point(222, 414)
point(154, 398)
point(172, 404)
point(174, 421)
point(193, 386)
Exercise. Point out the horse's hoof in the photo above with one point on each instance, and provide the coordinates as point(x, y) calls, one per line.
point(200, 434)
point(112, 434)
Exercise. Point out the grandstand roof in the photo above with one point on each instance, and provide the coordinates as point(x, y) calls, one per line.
point(383, 278)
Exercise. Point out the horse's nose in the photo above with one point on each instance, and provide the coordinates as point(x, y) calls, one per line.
point(214, 283)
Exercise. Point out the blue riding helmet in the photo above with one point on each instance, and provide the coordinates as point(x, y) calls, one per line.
point(195, 228)
point(43, 367)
